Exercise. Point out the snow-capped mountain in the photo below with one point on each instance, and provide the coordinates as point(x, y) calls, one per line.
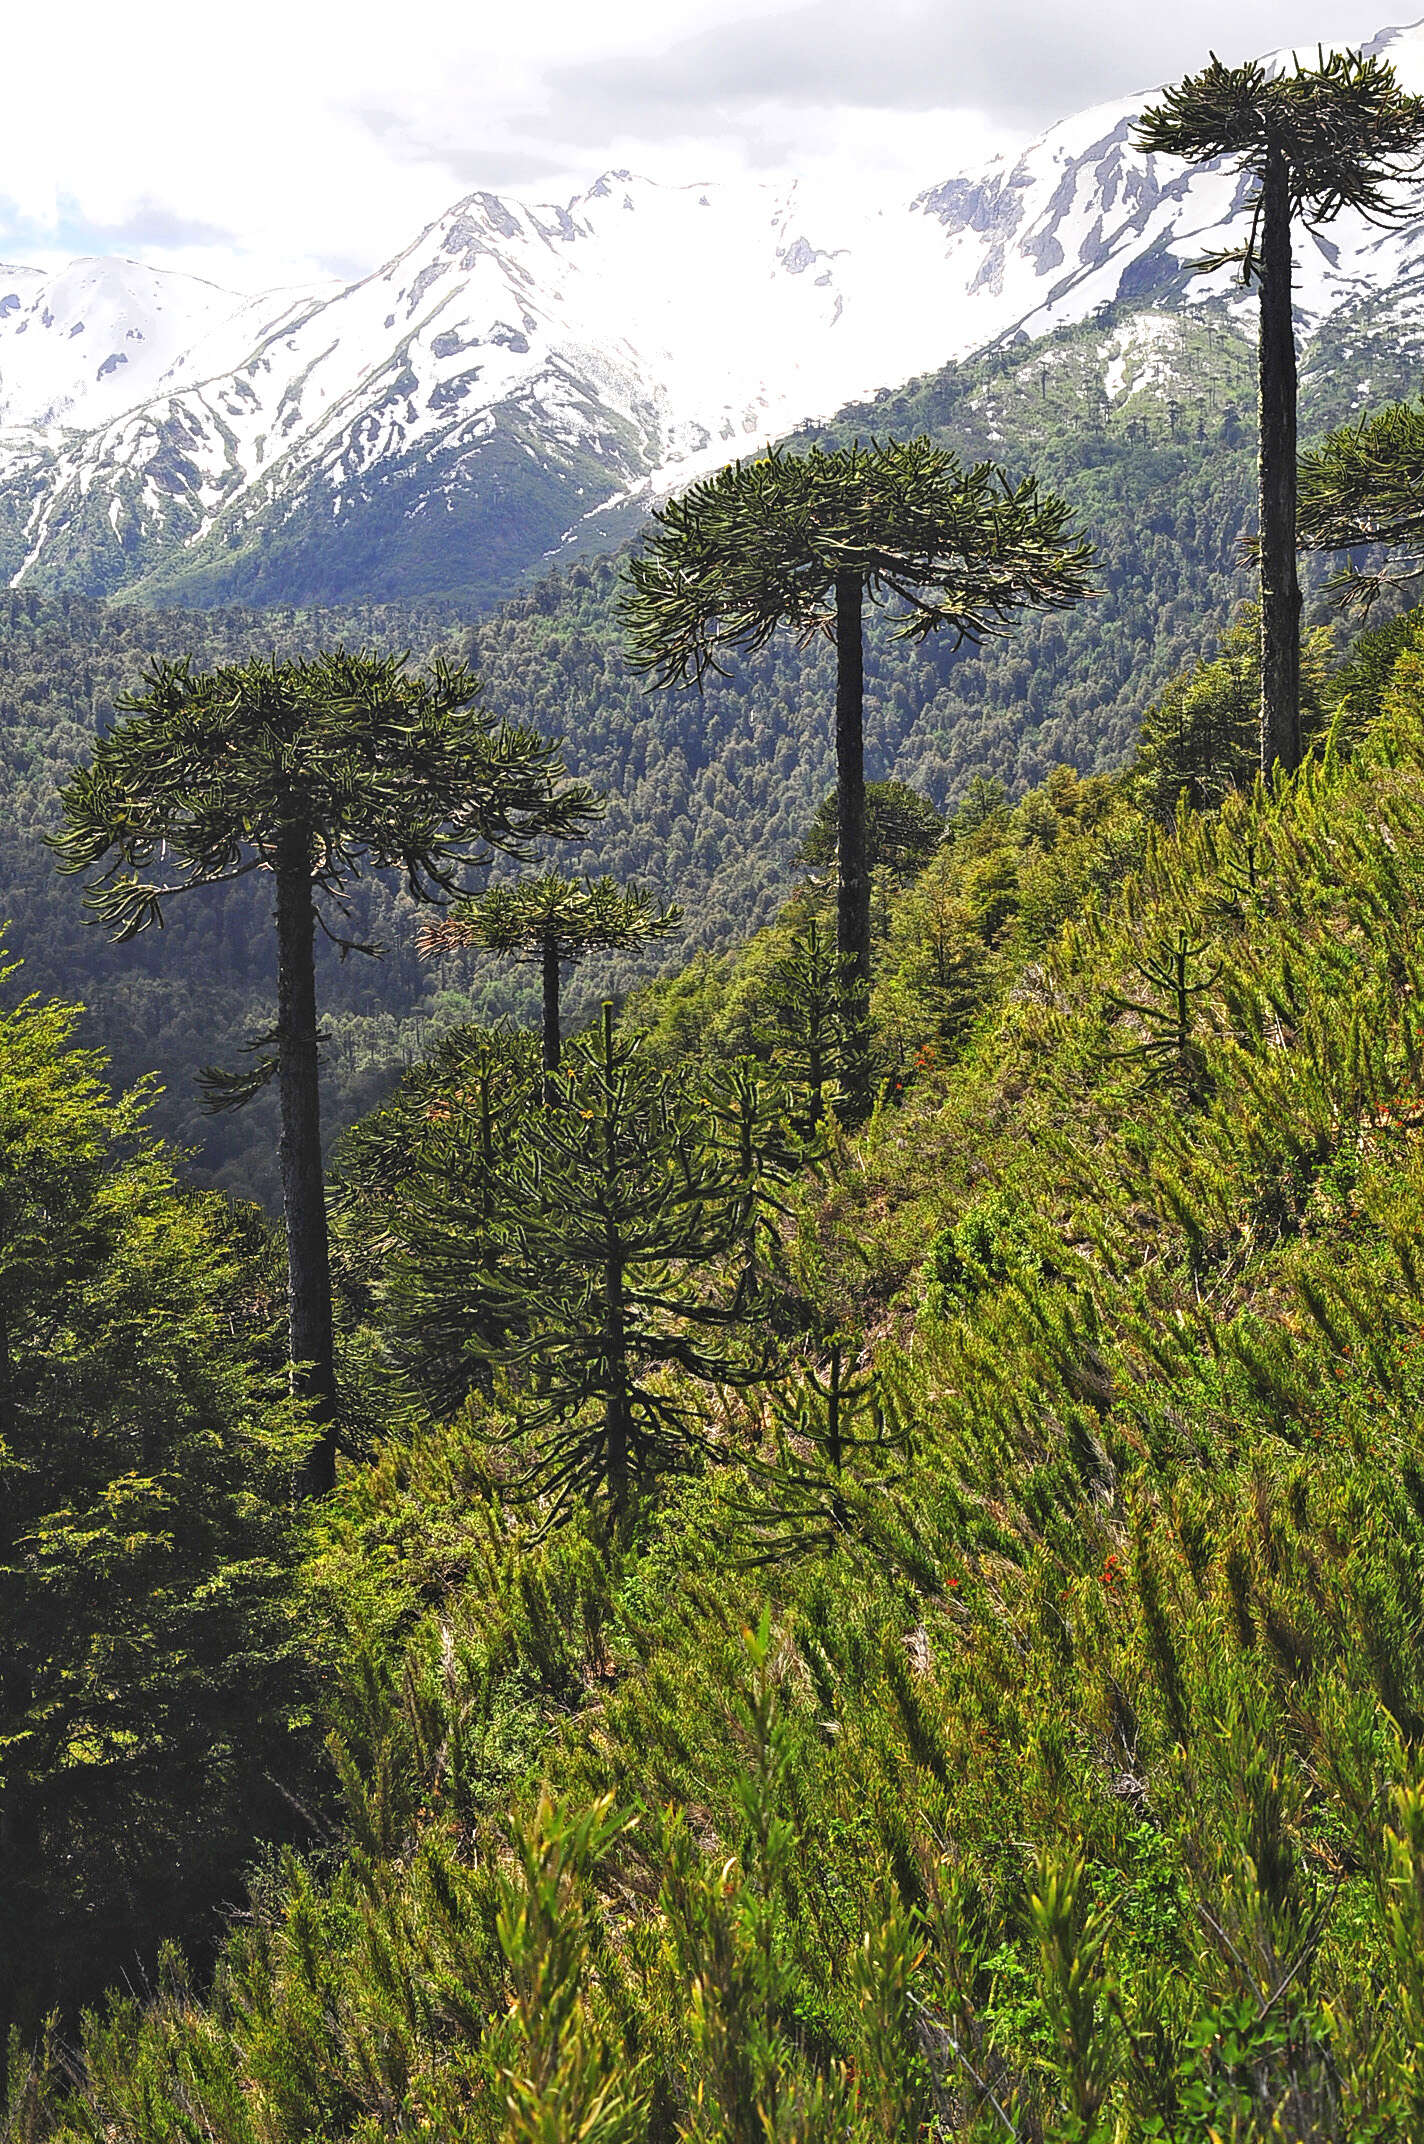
point(442, 424)
point(80, 347)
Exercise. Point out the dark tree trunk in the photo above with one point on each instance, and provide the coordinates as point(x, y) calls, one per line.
point(1280, 589)
point(550, 960)
point(303, 1191)
point(615, 1328)
point(833, 1411)
point(852, 876)
point(7, 1386)
point(615, 1408)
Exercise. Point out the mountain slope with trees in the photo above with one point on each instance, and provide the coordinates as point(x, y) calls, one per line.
point(1140, 420)
point(1064, 1778)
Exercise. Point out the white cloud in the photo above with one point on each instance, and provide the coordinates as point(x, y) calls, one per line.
point(291, 138)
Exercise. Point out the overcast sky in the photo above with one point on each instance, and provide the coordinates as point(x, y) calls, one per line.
point(274, 141)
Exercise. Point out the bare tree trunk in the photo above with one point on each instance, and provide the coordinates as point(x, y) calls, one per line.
point(313, 1371)
point(7, 1382)
point(615, 1406)
point(550, 958)
point(1280, 588)
point(615, 1329)
point(852, 876)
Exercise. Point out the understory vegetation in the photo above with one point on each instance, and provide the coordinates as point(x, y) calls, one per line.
point(986, 1699)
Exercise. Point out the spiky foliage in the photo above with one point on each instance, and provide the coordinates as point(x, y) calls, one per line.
point(1338, 135)
point(798, 1023)
point(385, 768)
point(802, 541)
point(1362, 489)
point(556, 923)
point(749, 1124)
point(1345, 129)
point(418, 1188)
point(313, 771)
point(1093, 1805)
point(1161, 1007)
point(902, 831)
point(831, 1415)
point(612, 1204)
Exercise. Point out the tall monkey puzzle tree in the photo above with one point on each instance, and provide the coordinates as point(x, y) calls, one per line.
point(555, 922)
point(313, 771)
point(1319, 140)
point(802, 540)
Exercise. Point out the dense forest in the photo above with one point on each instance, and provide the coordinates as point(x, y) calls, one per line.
point(708, 793)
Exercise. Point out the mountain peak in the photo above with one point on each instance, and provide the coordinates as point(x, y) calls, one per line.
point(154, 426)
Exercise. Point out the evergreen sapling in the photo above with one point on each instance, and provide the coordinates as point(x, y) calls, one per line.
point(616, 1206)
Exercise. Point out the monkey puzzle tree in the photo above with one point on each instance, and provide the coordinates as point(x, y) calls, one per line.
point(1363, 488)
point(797, 1024)
point(902, 831)
point(1319, 140)
point(802, 540)
point(613, 1210)
point(417, 1188)
point(313, 771)
point(555, 922)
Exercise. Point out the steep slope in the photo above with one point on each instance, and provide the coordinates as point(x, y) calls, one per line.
point(1141, 419)
point(523, 377)
point(1039, 1754)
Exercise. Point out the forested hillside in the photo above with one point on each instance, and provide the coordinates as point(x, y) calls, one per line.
point(1010, 1721)
point(811, 1526)
point(1141, 420)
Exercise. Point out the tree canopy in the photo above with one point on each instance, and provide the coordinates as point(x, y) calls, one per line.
point(1344, 130)
point(387, 769)
point(151, 1683)
point(902, 830)
point(802, 540)
point(1363, 488)
point(573, 918)
point(554, 922)
point(759, 546)
point(1337, 135)
point(311, 770)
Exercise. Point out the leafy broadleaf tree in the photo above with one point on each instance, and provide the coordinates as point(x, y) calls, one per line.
point(314, 771)
point(614, 1206)
point(151, 1684)
point(1317, 140)
point(556, 923)
point(1202, 737)
point(803, 541)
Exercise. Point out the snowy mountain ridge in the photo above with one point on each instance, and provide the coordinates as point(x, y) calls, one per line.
point(443, 423)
